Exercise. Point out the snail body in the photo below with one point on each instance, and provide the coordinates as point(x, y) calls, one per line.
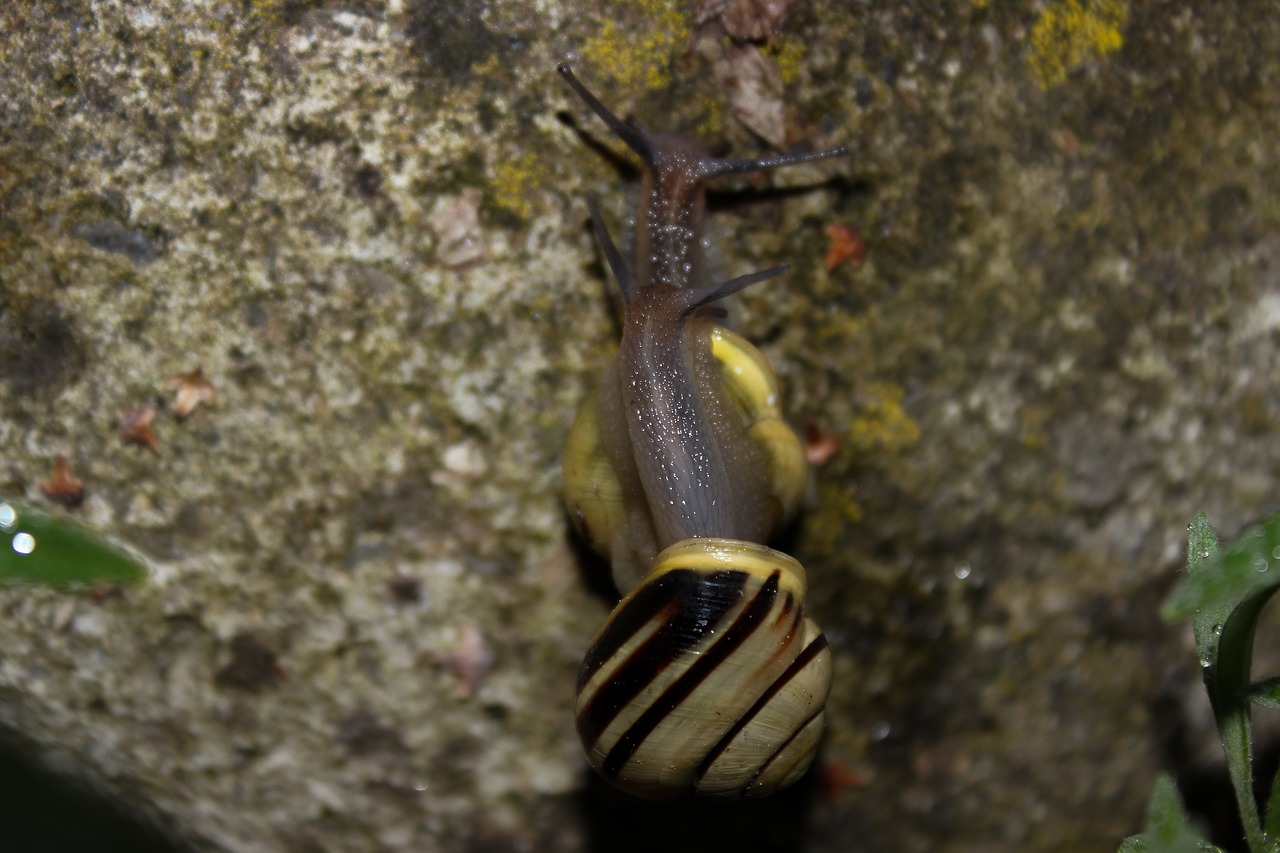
point(594, 493)
point(708, 678)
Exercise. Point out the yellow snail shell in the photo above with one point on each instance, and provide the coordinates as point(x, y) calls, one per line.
point(707, 679)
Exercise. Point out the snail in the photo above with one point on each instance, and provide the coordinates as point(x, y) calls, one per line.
point(708, 679)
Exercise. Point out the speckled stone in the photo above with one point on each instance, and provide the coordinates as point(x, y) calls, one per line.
point(364, 221)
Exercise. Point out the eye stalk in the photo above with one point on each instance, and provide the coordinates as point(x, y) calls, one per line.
point(640, 141)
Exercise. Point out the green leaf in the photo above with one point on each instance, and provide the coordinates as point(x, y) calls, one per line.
point(1265, 694)
point(1272, 826)
point(1202, 558)
point(1167, 829)
point(1250, 565)
point(1226, 592)
point(1227, 682)
point(36, 547)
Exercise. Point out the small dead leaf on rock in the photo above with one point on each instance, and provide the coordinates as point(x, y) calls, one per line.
point(193, 389)
point(254, 665)
point(470, 661)
point(1068, 143)
point(745, 20)
point(819, 447)
point(135, 428)
point(62, 617)
point(100, 594)
point(836, 777)
point(845, 245)
point(754, 86)
point(456, 225)
point(61, 486)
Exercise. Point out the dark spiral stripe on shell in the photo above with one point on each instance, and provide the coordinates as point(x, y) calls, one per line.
point(807, 655)
point(675, 693)
point(782, 747)
point(684, 602)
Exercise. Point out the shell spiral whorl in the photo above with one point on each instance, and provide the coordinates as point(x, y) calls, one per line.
point(697, 681)
point(707, 678)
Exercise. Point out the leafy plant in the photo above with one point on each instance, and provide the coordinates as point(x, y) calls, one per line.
point(1168, 830)
point(1224, 595)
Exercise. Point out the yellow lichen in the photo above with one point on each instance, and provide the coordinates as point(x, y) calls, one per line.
point(1069, 32)
point(789, 54)
point(840, 330)
point(513, 184)
point(268, 11)
point(712, 123)
point(884, 426)
point(838, 510)
point(493, 65)
point(1033, 426)
point(634, 47)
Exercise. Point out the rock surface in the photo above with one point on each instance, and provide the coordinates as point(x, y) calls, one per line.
point(364, 222)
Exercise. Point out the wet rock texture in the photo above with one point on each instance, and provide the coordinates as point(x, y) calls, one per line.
point(364, 223)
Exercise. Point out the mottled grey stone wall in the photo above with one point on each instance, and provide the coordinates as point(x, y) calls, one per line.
point(364, 221)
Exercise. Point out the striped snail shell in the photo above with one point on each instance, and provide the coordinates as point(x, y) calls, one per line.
point(707, 679)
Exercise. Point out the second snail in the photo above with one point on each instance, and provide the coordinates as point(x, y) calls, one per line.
point(707, 679)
